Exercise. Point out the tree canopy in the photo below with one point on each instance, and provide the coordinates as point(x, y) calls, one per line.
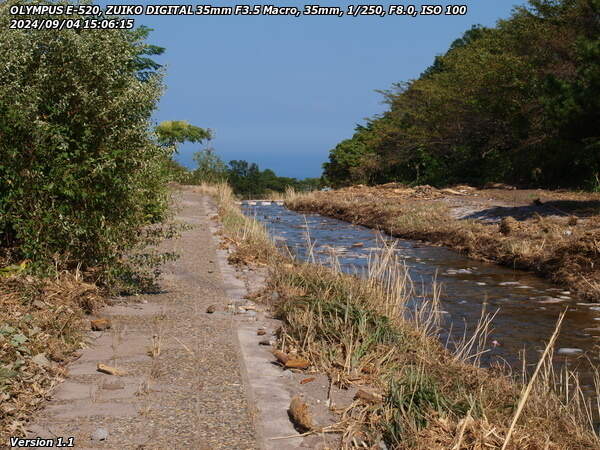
point(519, 103)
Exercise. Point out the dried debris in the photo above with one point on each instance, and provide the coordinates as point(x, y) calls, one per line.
point(41, 324)
point(109, 370)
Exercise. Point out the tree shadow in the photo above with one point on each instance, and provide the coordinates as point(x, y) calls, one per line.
point(564, 208)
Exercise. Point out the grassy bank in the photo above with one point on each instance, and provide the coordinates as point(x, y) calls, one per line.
point(361, 332)
point(557, 238)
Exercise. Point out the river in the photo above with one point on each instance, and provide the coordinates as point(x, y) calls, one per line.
point(527, 306)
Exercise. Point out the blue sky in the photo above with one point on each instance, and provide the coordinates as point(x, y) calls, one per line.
point(283, 91)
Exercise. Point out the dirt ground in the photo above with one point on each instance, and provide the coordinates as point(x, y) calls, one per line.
point(491, 204)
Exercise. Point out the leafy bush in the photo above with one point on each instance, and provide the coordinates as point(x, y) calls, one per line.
point(80, 176)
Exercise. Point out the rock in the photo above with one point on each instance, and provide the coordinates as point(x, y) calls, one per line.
point(261, 332)
point(211, 309)
point(41, 360)
point(382, 446)
point(39, 304)
point(281, 356)
point(297, 363)
point(101, 434)
point(368, 396)
point(300, 414)
point(265, 342)
point(357, 245)
point(100, 324)
point(110, 370)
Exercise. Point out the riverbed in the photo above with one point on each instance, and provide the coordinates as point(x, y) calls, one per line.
point(526, 306)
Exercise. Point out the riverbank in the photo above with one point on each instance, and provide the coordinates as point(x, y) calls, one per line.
point(554, 234)
point(414, 393)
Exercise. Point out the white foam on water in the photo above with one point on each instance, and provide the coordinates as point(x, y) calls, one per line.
point(568, 351)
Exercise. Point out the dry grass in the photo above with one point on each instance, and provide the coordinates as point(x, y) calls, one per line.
point(561, 248)
point(366, 332)
point(247, 236)
point(41, 324)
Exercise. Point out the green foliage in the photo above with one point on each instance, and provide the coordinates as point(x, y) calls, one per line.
point(173, 132)
point(518, 103)
point(413, 399)
point(80, 176)
point(211, 169)
point(246, 179)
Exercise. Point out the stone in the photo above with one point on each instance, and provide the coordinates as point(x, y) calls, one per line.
point(211, 309)
point(297, 363)
point(100, 324)
point(281, 356)
point(41, 360)
point(261, 332)
point(300, 414)
point(101, 434)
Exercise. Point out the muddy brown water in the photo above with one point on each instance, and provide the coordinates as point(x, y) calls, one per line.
point(527, 306)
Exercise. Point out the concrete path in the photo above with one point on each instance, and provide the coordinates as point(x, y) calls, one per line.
point(184, 383)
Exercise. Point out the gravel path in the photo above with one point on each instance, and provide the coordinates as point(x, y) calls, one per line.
point(183, 387)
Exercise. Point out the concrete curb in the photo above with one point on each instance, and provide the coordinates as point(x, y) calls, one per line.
point(266, 387)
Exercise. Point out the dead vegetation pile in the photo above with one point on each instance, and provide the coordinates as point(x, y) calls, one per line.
point(41, 325)
point(412, 391)
point(560, 247)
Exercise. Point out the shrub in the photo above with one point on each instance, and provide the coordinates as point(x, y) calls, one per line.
point(80, 175)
